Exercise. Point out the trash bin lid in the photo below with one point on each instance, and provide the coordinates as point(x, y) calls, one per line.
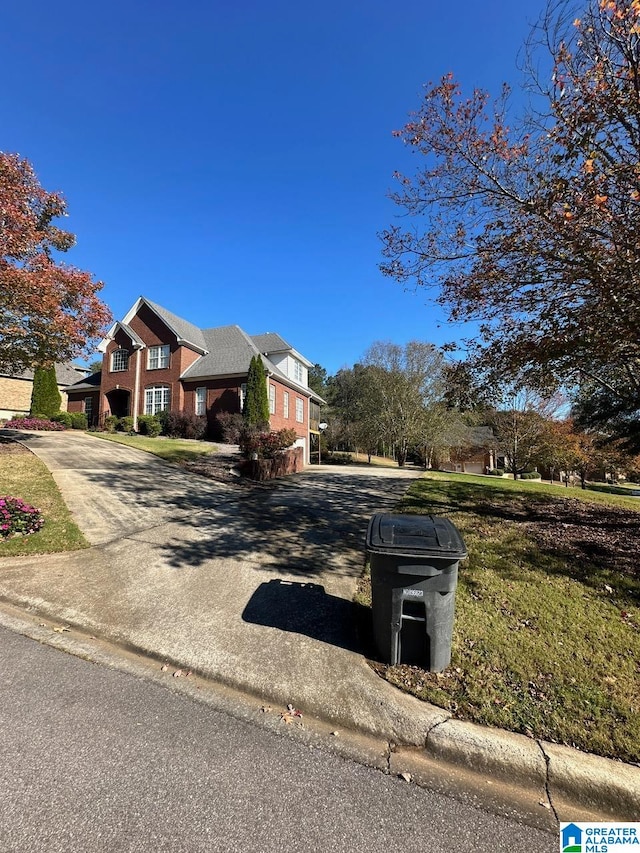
point(419, 535)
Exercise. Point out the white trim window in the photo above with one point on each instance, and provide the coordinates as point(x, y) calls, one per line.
point(119, 360)
point(157, 398)
point(285, 403)
point(201, 401)
point(299, 410)
point(243, 395)
point(158, 357)
point(272, 399)
point(298, 373)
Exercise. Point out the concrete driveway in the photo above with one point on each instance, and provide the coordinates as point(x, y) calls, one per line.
point(253, 589)
point(250, 588)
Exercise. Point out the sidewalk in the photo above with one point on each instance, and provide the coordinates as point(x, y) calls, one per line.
point(253, 589)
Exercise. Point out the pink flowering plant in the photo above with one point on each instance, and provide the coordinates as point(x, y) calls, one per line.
point(18, 518)
point(33, 423)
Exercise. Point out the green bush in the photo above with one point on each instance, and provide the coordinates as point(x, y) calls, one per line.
point(79, 420)
point(65, 418)
point(125, 424)
point(529, 475)
point(149, 425)
point(496, 472)
point(111, 423)
point(45, 396)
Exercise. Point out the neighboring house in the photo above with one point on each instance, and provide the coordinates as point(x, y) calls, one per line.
point(16, 388)
point(153, 361)
point(476, 455)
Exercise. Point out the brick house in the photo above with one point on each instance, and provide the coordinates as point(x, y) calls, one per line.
point(154, 360)
point(476, 454)
point(16, 388)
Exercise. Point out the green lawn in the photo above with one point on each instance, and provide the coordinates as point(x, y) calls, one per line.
point(169, 449)
point(547, 628)
point(23, 475)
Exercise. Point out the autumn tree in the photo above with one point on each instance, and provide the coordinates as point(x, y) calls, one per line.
point(529, 225)
point(49, 311)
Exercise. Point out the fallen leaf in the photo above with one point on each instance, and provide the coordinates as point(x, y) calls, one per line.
point(406, 776)
point(177, 673)
point(544, 805)
point(164, 667)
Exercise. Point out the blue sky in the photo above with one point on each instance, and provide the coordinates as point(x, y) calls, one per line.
point(231, 161)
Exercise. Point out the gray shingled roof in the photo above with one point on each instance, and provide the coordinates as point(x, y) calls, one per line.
point(230, 351)
point(89, 383)
point(66, 374)
point(270, 342)
point(184, 330)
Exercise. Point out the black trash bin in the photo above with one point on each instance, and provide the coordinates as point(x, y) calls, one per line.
point(414, 573)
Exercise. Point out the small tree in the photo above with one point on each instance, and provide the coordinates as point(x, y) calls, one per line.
point(45, 396)
point(256, 401)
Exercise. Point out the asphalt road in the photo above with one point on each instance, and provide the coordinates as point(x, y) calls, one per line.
point(97, 760)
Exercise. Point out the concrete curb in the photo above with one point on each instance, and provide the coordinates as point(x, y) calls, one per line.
point(539, 782)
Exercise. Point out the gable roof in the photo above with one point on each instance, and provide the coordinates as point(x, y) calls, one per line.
point(230, 350)
point(186, 333)
point(224, 351)
point(136, 340)
point(271, 342)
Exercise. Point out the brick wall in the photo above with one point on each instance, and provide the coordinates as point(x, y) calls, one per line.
point(278, 419)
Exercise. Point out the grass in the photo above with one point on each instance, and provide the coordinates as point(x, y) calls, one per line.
point(169, 449)
point(24, 476)
point(547, 628)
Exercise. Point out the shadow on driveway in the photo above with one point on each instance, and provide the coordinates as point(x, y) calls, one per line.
point(305, 608)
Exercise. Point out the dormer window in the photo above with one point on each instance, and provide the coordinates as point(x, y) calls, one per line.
point(298, 373)
point(158, 357)
point(119, 360)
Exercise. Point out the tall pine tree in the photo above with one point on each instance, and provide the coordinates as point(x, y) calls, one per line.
point(256, 402)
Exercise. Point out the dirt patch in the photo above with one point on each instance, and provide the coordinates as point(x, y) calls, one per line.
point(7, 447)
